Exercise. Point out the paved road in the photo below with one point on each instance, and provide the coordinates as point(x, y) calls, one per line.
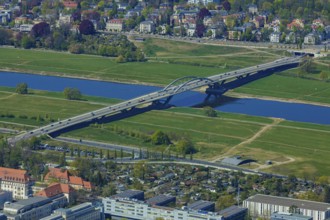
point(168, 91)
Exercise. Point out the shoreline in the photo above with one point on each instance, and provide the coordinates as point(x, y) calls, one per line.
point(201, 90)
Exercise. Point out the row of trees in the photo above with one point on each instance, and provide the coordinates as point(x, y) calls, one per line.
point(62, 38)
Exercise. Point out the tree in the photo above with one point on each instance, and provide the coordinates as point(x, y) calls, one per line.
point(72, 93)
point(5, 36)
point(225, 201)
point(40, 30)
point(185, 146)
point(139, 169)
point(326, 194)
point(22, 88)
point(86, 27)
point(27, 42)
point(159, 138)
point(226, 5)
point(210, 112)
point(109, 190)
point(324, 75)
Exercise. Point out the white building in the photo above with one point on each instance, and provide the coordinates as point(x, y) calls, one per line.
point(85, 211)
point(275, 37)
point(147, 27)
point(32, 208)
point(15, 181)
point(134, 209)
point(115, 25)
point(264, 205)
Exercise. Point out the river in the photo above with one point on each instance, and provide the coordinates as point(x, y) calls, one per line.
point(250, 106)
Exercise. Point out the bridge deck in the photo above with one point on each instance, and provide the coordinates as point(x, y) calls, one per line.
point(154, 96)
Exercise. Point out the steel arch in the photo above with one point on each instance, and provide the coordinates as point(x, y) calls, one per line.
point(192, 78)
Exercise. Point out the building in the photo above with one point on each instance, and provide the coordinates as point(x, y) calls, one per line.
point(16, 181)
point(288, 216)
point(85, 211)
point(264, 205)
point(202, 205)
point(139, 210)
point(5, 196)
point(147, 27)
point(32, 208)
point(275, 37)
point(56, 189)
point(63, 176)
point(234, 213)
point(253, 9)
point(312, 39)
point(115, 25)
point(161, 200)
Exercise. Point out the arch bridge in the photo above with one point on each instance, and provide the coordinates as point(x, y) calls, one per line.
point(217, 85)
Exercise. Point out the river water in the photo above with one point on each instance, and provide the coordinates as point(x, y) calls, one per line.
point(249, 106)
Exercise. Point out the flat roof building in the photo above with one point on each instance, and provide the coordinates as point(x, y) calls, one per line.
point(161, 200)
point(202, 205)
point(32, 208)
point(118, 208)
point(84, 211)
point(288, 216)
point(264, 205)
point(234, 213)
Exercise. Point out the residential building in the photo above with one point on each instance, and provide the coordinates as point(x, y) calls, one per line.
point(275, 37)
point(68, 4)
point(288, 216)
point(264, 205)
point(312, 38)
point(253, 9)
point(16, 181)
point(5, 196)
point(147, 27)
point(85, 211)
point(25, 27)
point(63, 176)
point(115, 25)
point(32, 208)
point(135, 209)
point(63, 19)
point(56, 189)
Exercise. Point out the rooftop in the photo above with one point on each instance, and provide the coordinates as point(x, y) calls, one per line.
point(13, 175)
point(283, 201)
point(232, 210)
point(161, 200)
point(201, 205)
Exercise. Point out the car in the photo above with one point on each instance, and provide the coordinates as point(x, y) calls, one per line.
point(31, 132)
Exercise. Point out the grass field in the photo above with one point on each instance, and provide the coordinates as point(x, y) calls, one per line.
point(47, 105)
point(228, 134)
point(292, 88)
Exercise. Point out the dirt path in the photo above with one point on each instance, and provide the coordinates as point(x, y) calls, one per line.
point(264, 166)
point(251, 139)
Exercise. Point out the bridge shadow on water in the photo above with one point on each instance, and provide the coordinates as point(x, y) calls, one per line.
point(112, 118)
point(213, 98)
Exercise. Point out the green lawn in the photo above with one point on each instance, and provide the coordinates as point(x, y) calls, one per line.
point(307, 143)
point(289, 88)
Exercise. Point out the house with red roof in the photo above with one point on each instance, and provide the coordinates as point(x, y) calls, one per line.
point(63, 176)
point(16, 181)
point(58, 190)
